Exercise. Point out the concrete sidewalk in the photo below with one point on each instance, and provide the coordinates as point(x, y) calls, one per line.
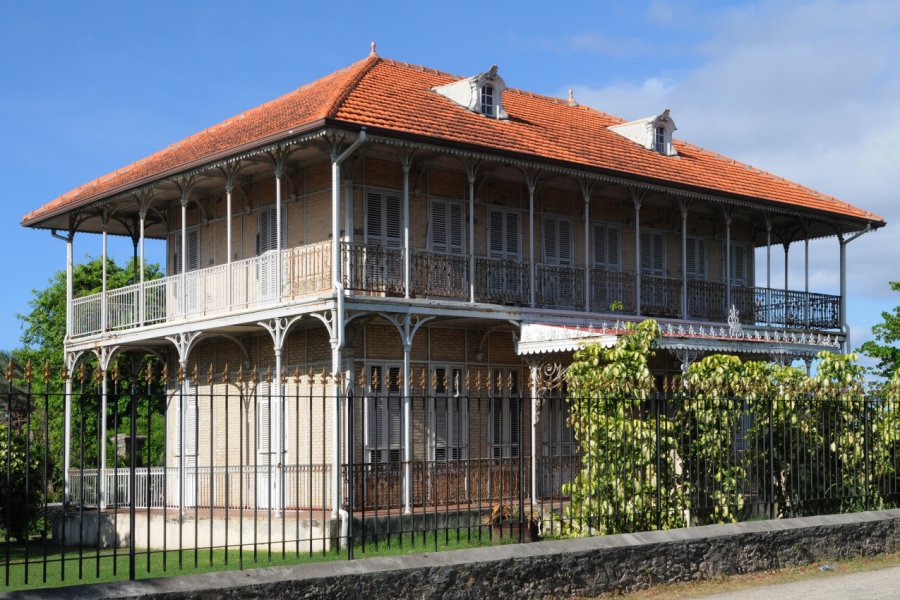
point(881, 584)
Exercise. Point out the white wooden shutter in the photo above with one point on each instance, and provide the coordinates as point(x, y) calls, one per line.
point(551, 242)
point(267, 229)
point(512, 235)
point(189, 424)
point(441, 427)
point(395, 427)
point(739, 265)
point(439, 226)
point(696, 259)
point(193, 250)
point(456, 219)
point(393, 222)
point(653, 253)
point(263, 419)
point(374, 218)
point(495, 233)
point(613, 248)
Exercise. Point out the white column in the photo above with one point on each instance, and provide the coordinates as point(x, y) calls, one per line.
point(806, 280)
point(786, 248)
point(279, 420)
point(183, 401)
point(587, 250)
point(183, 265)
point(472, 235)
point(406, 249)
point(768, 270)
point(278, 240)
point(104, 301)
point(141, 293)
point(407, 421)
point(637, 253)
point(727, 262)
point(69, 278)
point(531, 258)
point(229, 188)
point(534, 425)
point(336, 431)
point(844, 328)
point(684, 270)
point(103, 411)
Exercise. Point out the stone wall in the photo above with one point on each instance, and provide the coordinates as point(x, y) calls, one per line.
point(544, 569)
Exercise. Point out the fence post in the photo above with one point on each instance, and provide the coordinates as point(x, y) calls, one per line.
point(350, 454)
point(132, 480)
point(866, 494)
point(659, 398)
point(521, 443)
point(771, 456)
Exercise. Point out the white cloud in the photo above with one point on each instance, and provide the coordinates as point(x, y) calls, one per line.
point(809, 91)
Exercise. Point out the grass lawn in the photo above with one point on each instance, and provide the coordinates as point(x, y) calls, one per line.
point(45, 574)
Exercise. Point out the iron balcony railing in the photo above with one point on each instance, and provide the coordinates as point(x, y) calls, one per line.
point(558, 286)
point(376, 270)
point(222, 289)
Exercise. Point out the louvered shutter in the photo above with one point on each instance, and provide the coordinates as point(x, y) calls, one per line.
point(514, 426)
point(265, 225)
point(600, 246)
point(193, 250)
point(263, 419)
point(374, 218)
point(512, 235)
point(739, 275)
point(395, 427)
point(393, 223)
point(495, 233)
point(696, 259)
point(653, 255)
point(612, 248)
point(456, 218)
point(659, 254)
point(497, 426)
point(268, 227)
point(551, 242)
point(441, 427)
point(565, 242)
point(439, 226)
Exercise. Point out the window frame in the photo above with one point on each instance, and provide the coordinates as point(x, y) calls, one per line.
point(382, 399)
point(487, 92)
point(506, 212)
point(450, 248)
point(607, 227)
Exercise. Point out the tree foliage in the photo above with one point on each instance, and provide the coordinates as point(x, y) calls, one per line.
point(885, 347)
point(44, 330)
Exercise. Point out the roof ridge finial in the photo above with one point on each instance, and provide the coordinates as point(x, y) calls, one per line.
point(372, 52)
point(572, 98)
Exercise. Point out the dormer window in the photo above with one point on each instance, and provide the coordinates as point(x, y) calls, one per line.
point(482, 94)
point(653, 133)
point(661, 145)
point(487, 100)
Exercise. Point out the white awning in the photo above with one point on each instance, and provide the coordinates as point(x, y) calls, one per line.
point(537, 338)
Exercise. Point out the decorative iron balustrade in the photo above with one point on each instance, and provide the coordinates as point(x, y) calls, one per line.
point(706, 300)
point(372, 268)
point(440, 275)
point(608, 288)
point(253, 282)
point(306, 486)
point(559, 286)
point(660, 296)
point(502, 280)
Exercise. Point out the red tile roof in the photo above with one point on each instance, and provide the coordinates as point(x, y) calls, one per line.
point(398, 97)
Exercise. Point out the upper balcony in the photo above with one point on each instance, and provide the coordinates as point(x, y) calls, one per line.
point(376, 271)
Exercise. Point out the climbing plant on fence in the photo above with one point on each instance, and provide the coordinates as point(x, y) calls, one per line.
point(727, 432)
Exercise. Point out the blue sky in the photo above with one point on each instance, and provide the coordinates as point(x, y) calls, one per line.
point(808, 90)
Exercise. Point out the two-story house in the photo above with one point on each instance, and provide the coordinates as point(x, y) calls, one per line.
point(411, 233)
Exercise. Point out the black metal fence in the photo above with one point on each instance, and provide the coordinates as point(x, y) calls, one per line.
point(220, 474)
